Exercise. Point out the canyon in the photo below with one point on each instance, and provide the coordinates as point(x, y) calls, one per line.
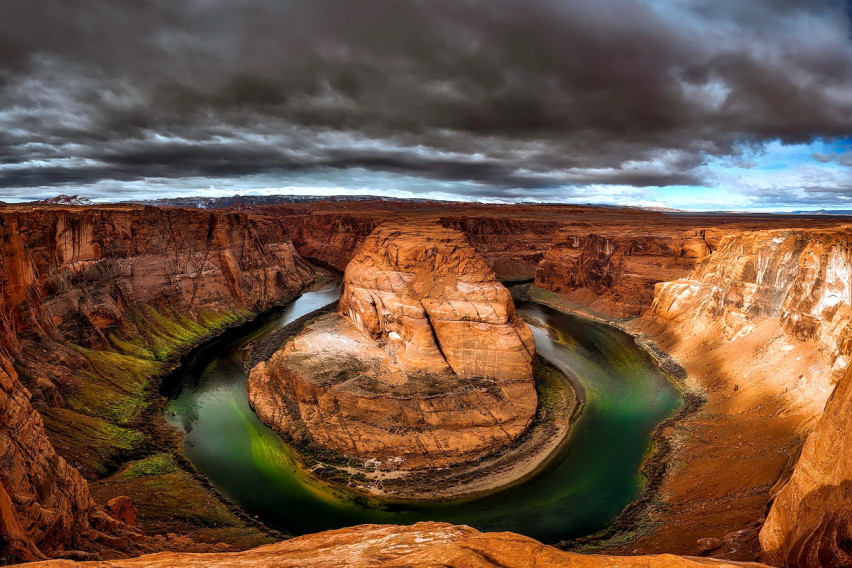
point(100, 301)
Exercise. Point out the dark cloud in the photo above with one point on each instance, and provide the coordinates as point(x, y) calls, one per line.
point(509, 95)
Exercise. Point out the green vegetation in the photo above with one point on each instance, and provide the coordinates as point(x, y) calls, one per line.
point(157, 464)
point(87, 442)
point(111, 393)
point(170, 499)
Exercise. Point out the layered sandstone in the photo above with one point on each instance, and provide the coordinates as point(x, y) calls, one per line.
point(421, 545)
point(70, 277)
point(761, 327)
point(615, 272)
point(427, 364)
point(511, 239)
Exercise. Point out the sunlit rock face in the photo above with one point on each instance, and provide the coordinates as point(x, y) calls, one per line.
point(424, 290)
point(810, 523)
point(426, 364)
point(801, 277)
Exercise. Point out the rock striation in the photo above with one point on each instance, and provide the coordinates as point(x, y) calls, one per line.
point(800, 277)
point(615, 273)
point(421, 545)
point(762, 327)
point(76, 283)
point(425, 365)
point(810, 523)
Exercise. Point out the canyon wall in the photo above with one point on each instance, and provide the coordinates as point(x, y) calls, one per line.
point(511, 242)
point(615, 272)
point(801, 278)
point(761, 326)
point(810, 523)
point(94, 303)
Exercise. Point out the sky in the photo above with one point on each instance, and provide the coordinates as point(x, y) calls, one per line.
point(689, 104)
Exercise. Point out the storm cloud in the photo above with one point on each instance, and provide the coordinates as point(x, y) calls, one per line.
point(499, 98)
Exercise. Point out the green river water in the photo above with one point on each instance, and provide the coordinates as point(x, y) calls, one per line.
point(581, 492)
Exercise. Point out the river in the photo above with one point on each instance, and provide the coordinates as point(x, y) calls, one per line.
point(581, 492)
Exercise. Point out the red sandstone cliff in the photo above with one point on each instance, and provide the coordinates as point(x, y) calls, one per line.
point(761, 327)
point(511, 240)
point(133, 283)
point(615, 272)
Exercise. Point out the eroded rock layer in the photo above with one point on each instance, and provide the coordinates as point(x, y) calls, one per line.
point(761, 325)
point(615, 273)
point(93, 301)
point(421, 545)
point(427, 364)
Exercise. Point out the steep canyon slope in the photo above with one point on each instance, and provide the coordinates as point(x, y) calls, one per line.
point(96, 301)
point(761, 326)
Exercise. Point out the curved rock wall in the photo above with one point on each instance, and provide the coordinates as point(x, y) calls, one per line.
point(762, 326)
point(69, 276)
point(426, 365)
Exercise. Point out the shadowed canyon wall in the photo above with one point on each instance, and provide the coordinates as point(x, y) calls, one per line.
point(95, 303)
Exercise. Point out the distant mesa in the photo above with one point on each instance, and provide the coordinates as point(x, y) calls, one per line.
point(426, 363)
point(65, 200)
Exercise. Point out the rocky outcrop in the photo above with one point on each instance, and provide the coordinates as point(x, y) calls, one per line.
point(427, 364)
point(84, 292)
point(761, 325)
point(615, 273)
point(422, 545)
point(810, 523)
point(801, 277)
point(424, 290)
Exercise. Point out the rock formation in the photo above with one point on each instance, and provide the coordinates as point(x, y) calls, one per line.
point(427, 364)
point(761, 325)
point(512, 243)
point(70, 278)
point(616, 273)
point(810, 523)
point(420, 545)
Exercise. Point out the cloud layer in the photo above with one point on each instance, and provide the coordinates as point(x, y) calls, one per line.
point(485, 99)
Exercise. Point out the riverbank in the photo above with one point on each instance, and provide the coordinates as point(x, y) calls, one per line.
point(170, 494)
point(637, 519)
point(560, 403)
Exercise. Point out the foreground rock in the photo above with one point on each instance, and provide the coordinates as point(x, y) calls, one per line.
point(426, 365)
point(422, 545)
